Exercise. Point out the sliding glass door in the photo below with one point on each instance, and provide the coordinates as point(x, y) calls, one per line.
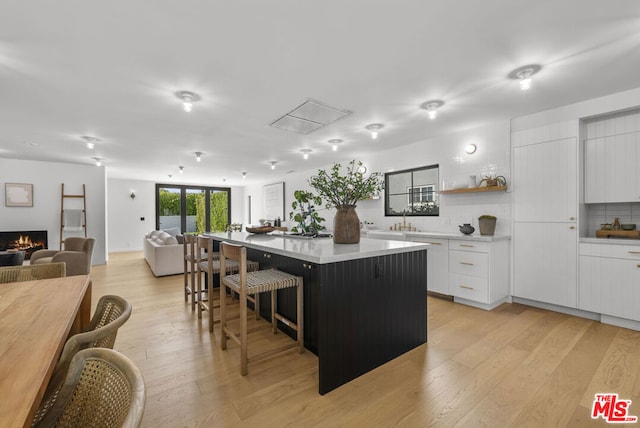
point(192, 209)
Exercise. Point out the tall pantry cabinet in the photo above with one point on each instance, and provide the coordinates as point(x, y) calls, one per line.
point(545, 203)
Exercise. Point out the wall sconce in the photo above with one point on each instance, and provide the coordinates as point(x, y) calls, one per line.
point(133, 195)
point(374, 128)
point(432, 107)
point(524, 74)
point(470, 149)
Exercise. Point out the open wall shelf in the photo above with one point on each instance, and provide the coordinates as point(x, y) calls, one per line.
point(474, 190)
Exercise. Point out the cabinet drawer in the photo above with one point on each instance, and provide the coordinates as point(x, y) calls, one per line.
point(631, 252)
point(468, 263)
point(440, 243)
point(469, 287)
point(480, 247)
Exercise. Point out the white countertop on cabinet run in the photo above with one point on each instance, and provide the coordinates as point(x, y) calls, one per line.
point(319, 250)
point(439, 235)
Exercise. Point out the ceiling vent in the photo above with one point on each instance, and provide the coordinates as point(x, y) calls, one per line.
point(308, 117)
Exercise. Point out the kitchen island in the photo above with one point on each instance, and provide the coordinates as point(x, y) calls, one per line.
point(364, 304)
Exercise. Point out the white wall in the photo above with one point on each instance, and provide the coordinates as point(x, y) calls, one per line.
point(47, 179)
point(493, 144)
point(126, 230)
point(125, 227)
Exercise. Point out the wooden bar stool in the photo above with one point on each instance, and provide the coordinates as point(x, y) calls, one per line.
point(211, 265)
point(191, 259)
point(247, 283)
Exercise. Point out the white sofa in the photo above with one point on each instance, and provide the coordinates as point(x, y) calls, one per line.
point(163, 253)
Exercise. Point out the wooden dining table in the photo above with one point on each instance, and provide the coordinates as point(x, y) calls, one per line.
point(36, 318)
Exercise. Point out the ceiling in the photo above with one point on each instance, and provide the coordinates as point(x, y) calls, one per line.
point(110, 70)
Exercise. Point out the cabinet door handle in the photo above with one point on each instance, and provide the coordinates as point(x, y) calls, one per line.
point(634, 252)
point(266, 256)
point(434, 243)
point(467, 245)
point(638, 265)
point(466, 286)
point(572, 227)
point(572, 218)
point(466, 263)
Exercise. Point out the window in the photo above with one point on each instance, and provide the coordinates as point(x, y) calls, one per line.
point(412, 192)
point(192, 208)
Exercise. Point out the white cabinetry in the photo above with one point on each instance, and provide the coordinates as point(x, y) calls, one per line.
point(545, 210)
point(479, 272)
point(612, 162)
point(437, 264)
point(610, 280)
point(545, 263)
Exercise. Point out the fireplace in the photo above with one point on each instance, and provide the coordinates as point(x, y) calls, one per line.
point(26, 240)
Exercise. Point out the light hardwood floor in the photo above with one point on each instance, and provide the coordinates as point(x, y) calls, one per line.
point(514, 366)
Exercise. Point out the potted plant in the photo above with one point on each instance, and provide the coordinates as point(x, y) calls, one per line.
point(307, 218)
point(487, 224)
point(342, 188)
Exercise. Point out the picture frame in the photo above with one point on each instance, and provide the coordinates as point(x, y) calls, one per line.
point(18, 194)
point(273, 201)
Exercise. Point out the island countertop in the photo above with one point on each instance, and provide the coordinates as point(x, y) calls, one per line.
point(318, 250)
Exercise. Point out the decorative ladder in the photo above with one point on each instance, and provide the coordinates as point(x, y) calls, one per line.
point(64, 196)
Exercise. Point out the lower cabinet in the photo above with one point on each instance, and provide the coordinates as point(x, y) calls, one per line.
point(437, 264)
point(479, 271)
point(610, 280)
point(545, 262)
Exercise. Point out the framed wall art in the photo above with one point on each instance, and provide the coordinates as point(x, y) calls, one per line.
point(18, 194)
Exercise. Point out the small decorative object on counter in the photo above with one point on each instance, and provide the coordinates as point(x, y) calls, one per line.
point(467, 229)
point(487, 224)
point(472, 181)
point(616, 224)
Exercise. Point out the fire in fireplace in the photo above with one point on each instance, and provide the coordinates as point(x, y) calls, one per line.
point(27, 241)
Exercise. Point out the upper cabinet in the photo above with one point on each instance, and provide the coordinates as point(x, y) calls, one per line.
point(612, 158)
point(545, 181)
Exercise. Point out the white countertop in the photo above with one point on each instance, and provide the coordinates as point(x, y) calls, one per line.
point(441, 235)
point(614, 241)
point(319, 250)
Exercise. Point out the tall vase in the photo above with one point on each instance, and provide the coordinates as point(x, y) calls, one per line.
point(346, 225)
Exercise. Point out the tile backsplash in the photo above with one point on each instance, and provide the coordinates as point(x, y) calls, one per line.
point(598, 214)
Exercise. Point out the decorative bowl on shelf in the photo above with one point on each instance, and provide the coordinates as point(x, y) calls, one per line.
point(628, 226)
point(261, 229)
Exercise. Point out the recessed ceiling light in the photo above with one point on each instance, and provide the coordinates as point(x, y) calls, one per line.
point(198, 156)
point(374, 128)
point(524, 75)
point(432, 107)
point(181, 168)
point(305, 153)
point(334, 143)
point(273, 164)
point(244, 175)
point(99, 161)
point(90, 141)
point(188, 98)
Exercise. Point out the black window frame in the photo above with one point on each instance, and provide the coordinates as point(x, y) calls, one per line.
point(183, 203)
point(432, 212)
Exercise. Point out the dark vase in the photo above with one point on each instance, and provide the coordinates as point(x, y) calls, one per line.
point(346, 225)
point(467, 229)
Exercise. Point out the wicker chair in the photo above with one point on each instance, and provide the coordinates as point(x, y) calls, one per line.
point(103, 388)
point(31, 272)
point(111, 313)
point(252, 283)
